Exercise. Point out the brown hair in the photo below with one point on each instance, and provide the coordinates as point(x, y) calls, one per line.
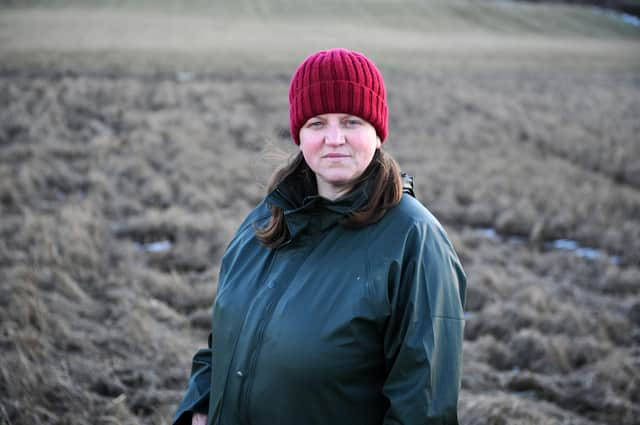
point(385, 193)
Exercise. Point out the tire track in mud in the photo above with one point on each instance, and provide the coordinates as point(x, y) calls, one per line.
point(510, 148)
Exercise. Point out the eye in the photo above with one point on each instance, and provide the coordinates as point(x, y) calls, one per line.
point(314, 124)
point(352, 122)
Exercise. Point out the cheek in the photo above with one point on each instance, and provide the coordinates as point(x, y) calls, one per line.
point(307, 146)
point(309, 149)
point(369, 157)
point(306, 141)
point(368, 148)
point(308, 158)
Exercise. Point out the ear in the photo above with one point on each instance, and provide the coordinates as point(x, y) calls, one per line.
point(378, 142)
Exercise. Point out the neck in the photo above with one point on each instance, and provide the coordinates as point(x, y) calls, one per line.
point(332, 192)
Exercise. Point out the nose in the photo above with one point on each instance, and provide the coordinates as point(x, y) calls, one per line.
point(334, 135)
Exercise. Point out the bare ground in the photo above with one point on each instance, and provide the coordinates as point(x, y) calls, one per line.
point(124, 170)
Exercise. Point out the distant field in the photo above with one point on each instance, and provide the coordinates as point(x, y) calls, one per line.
point(135, 137)
point(429, 15)
point(398, 34)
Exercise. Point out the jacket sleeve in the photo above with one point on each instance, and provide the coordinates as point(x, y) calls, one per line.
point(196, 398)
point(423, 336)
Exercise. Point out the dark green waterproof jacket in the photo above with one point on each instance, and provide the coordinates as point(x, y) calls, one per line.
point(338, 326)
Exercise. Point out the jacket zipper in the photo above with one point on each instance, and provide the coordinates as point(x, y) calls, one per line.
point(253, 360)
point(243, 406)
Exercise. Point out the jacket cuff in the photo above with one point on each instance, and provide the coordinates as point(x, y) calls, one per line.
point(196, 398)
point(191, 403)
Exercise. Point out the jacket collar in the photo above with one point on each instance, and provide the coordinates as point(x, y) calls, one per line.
point(308, 212)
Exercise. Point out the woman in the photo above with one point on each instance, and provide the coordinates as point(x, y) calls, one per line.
point(340, 299)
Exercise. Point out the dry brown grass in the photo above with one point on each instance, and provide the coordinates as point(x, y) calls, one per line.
point(105, 152)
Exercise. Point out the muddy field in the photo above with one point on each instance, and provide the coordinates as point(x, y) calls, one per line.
point(123, 175)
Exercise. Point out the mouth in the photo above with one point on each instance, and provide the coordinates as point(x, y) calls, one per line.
point(335, 155)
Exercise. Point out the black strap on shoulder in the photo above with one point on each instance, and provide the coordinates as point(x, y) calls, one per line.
point(407, 184)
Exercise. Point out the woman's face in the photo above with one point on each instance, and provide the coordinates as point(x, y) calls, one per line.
point(338, 148)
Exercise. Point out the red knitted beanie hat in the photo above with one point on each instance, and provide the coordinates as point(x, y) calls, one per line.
point(337, 81)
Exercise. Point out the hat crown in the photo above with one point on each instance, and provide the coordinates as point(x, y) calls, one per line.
point(337, 65)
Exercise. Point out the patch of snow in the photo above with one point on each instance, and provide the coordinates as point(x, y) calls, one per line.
point(183, 76)
point(561, 244)
point(624, 17)
point(158, 246)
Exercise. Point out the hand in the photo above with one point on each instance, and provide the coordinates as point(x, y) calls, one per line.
point(198, 419)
